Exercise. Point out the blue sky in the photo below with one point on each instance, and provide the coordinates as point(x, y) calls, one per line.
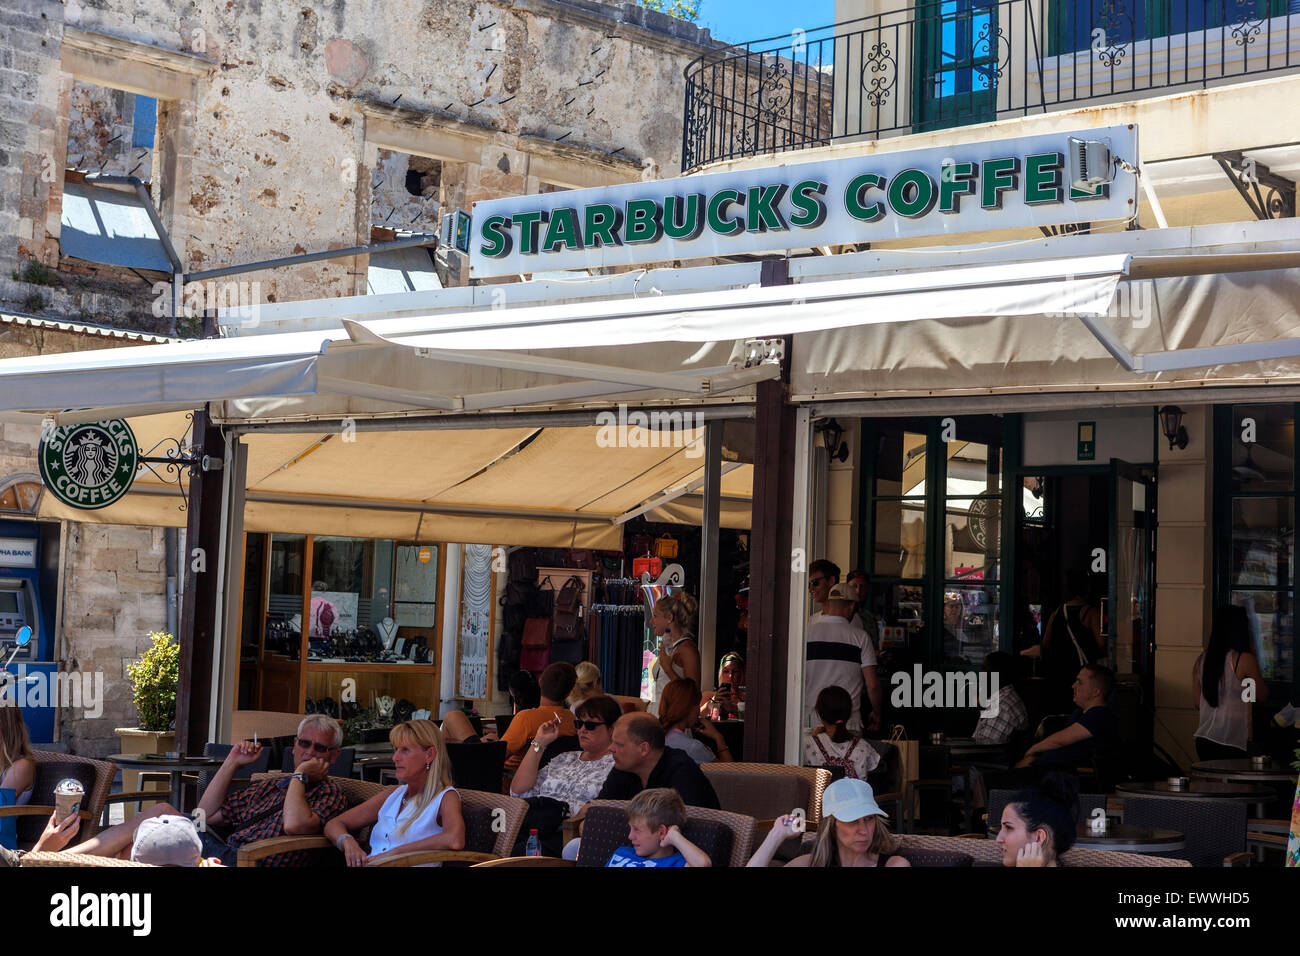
point(736, 21)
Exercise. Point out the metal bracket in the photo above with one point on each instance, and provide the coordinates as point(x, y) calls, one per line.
point(176, 457)
point(764, 351)
point(1247, 176)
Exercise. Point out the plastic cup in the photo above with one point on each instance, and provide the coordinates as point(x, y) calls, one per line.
point(68, 795)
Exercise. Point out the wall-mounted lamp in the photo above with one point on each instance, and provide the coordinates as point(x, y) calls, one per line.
point(832, 438)
point(1171, 421)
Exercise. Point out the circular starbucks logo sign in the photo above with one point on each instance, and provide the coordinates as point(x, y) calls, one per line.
point(89, 466)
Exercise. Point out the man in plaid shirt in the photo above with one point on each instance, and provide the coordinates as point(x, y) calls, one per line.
point(295, 805)
point(1006, 714)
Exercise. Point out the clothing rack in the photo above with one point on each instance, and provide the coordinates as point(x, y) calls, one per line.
point(620, 639)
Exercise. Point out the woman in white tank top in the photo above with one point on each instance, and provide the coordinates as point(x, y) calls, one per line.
point(422, 812)
point(673, 621)
point(1219, 680)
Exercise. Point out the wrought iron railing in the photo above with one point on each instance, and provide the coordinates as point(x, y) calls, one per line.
point(945, 63)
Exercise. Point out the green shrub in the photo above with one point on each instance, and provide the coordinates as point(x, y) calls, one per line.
point(154, 678)
point(681, 9)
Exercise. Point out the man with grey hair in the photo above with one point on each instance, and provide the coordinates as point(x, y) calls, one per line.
point(297, 804)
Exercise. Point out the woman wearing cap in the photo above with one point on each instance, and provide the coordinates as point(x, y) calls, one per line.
point(1039, 823)
point(852, 831)
point(731, 679)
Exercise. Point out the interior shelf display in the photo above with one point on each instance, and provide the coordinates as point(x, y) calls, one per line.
point(338, 631)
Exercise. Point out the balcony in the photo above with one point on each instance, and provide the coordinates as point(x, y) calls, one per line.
point(948, 63)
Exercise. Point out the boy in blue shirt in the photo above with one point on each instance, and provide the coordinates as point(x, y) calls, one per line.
point(654, 821)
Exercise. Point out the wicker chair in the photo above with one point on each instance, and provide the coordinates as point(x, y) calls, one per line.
point(95, 775)
point(73, 859)
point(989, 853)
point(1214, 830)
point(767, 790)
point(526, 861)
point(728, 838)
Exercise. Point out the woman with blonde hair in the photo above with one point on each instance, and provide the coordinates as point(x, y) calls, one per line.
point(852, 831)
point(421, 813)
point(588, 684)
point(17, 768)
point(673, 621)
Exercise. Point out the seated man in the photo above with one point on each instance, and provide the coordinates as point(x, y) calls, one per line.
point(642, 761)
point(556, 683)
point(1091, 729)
point(297, 804)
point(1006, 715)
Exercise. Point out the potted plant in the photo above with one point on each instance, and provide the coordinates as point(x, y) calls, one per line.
point(154, 678)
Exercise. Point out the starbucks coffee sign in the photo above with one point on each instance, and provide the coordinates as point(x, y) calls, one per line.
point(867, 197)
point(89, 466)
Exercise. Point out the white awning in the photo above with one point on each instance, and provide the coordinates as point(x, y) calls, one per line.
point(546, 354)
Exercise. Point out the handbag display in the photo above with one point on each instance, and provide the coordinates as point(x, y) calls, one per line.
point(535, 647)
point(666, 547)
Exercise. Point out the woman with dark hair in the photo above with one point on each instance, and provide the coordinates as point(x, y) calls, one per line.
point(571, 779)
point(731, 683)
point(1219, 681)
point(832, 745)
point(1038, 824)
point(679, 715)
point(852, 831)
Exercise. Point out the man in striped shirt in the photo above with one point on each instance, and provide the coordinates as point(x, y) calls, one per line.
point(840, 653)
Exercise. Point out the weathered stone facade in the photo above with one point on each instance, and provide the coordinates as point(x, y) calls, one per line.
point(282, 131)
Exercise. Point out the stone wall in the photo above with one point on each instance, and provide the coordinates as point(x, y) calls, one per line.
point(267, 150)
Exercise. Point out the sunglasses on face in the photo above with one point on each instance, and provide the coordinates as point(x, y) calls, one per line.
point(314, 747)
point(590, 724)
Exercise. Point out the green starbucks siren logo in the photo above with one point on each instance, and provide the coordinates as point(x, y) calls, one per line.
point(89, 466)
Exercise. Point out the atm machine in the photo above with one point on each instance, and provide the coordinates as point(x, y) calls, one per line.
point(29, 572)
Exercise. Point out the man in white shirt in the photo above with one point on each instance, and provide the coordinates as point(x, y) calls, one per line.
point(840, 653)
point(822, 576)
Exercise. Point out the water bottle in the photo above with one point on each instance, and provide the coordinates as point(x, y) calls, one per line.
point(534, 845)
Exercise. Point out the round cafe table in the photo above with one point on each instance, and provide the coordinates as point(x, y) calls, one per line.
point(1205, 789)
point(174, 766)
point(1130, 839)
point(1241, 770)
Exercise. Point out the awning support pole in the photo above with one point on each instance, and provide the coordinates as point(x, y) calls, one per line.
point(769, 637)
point(201, 591)
point(709, 553)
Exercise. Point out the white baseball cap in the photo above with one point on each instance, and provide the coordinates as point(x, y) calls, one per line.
point(167, 841)
point(850, 800)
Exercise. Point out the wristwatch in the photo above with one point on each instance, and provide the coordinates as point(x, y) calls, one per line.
point(300, 776)
point(536, 748)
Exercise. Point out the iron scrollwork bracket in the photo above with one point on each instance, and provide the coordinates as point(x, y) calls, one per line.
point(176, 456)
point(1276, 198)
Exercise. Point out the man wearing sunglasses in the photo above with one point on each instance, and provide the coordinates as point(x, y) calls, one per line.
point(294, 805)
point(297, 805)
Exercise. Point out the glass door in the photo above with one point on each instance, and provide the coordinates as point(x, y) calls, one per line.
point(957, 50)
point(1128, 611)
